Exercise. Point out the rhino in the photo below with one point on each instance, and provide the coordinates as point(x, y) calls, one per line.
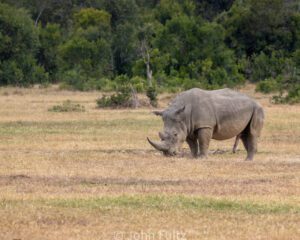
point(197, 116)
point(236, 143)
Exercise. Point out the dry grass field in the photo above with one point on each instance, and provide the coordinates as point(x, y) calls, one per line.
point(92, 175)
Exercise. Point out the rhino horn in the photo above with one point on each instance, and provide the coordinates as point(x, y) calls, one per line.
point(162, 136)
point(160, 146)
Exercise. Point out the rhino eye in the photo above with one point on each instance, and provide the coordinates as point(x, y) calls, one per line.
point(175, 134)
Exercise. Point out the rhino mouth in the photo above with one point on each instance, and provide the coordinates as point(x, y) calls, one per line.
point(163, 147)
point(170, 154)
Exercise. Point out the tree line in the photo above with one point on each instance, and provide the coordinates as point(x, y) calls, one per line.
point(152, 44)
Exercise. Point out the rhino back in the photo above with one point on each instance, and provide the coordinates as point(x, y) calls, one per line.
point(226, 111)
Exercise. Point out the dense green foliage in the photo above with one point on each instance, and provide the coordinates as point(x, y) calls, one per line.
point(150, 44)
point(19, 43)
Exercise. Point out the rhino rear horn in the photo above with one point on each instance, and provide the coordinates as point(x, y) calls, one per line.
point(162, 136)
point(160, 146)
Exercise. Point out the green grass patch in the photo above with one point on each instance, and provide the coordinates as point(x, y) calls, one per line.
point(67, 106)
point(5, 203)
point(168, 203)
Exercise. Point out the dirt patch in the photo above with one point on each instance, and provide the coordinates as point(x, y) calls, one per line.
point(185, 153)
point(65, 181)
point(213, 186)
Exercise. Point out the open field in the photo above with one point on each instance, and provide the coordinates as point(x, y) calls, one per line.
point(92, 175)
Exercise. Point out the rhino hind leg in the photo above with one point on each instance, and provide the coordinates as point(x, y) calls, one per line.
point(236, 143)
point(252, 132)
point(250, 143)
point(193, 144)
point(204, 137)
point(251, 146)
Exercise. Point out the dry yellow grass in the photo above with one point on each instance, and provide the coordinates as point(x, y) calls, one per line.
point(92, 175)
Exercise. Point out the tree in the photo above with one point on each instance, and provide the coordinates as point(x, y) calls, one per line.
point(258, 25)
point(197, 51)
point(87, 52)
point(125, 21)
point(50, 38)
point(18, 47)
point(209, 9)
point(41, 5)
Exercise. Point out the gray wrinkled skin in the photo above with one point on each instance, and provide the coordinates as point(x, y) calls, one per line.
point(197, 116)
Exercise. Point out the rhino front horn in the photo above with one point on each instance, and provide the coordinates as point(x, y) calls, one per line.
point(158, 145)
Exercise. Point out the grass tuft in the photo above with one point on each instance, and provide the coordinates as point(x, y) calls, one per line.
point(67, 106)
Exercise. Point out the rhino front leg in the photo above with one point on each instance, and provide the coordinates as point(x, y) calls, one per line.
point(204, 137)
point(193, 144)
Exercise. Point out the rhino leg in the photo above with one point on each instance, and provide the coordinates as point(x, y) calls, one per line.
point(253, 132)
point(252, 146)
point(204, 137)
point(193, 144)
point(236, 143)
point(250, 143)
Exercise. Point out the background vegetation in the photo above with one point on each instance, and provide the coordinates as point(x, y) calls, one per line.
point(150, 44)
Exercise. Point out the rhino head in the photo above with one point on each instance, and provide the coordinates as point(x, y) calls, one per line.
point(174, 133)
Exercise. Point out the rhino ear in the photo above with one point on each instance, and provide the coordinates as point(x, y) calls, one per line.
point(180, 110)
point(158, 113)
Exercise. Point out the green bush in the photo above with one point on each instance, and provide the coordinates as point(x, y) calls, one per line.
point(264, 66)
point(152, 95)
point(103, 84)
point(120, 99)
point(138, 83)
point(269, 85)
point(73, 80)
point(67, 106)
point(296, 57)
point(76, 79)
point(294, 95)
point(121, 80)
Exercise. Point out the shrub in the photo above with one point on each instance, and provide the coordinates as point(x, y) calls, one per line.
point(138, 83)
point(120, 99)
point(67, 106)
point(122, 80)
point(269, 85)
point(73, 80)
point(264, 66)
point(152, 95)
point(292, 97)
